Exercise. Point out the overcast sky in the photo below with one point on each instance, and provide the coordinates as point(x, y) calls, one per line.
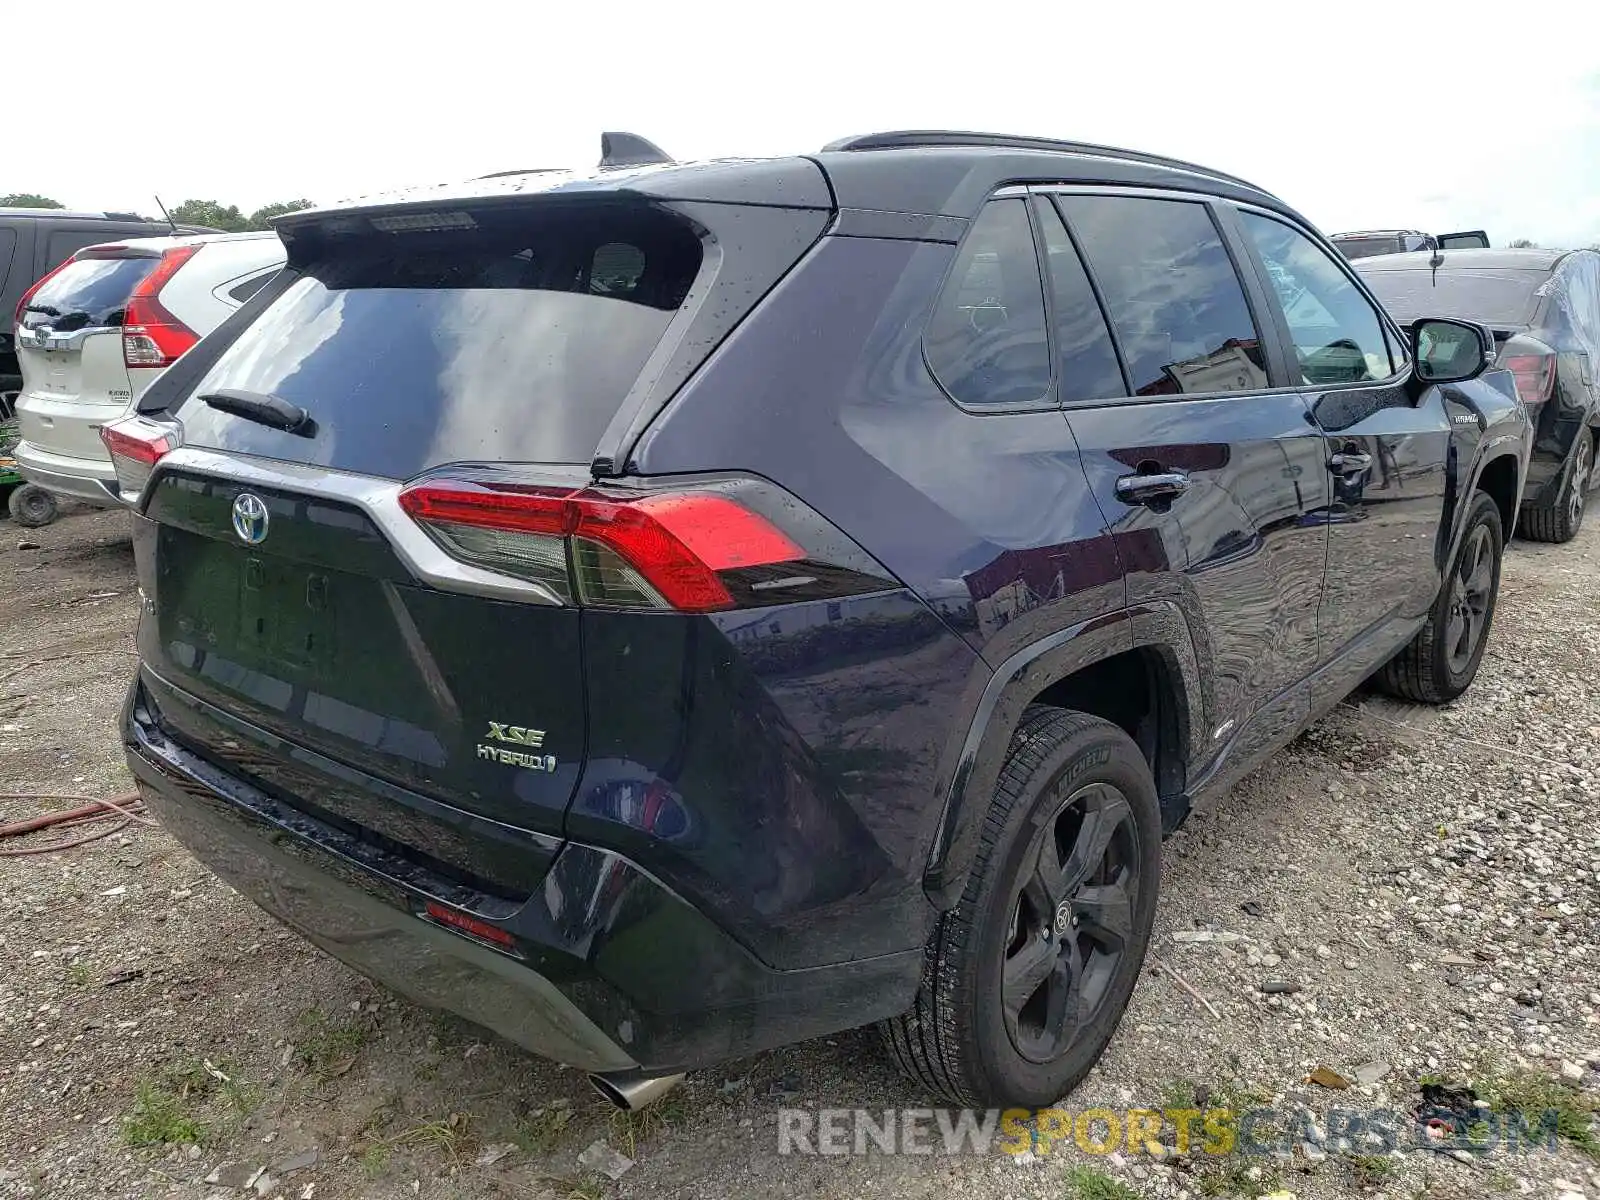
point(1426, 115)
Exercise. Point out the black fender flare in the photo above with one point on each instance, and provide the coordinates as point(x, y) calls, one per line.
point(972, 766)
point(1487, 451)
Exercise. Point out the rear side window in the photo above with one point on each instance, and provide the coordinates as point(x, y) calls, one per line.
point(986, 342)
point(1172, 293)
point(240, 292)
point(64, 243)
point(89, 293)
point(1089, 369)
point(506, 335)
point(8, 248)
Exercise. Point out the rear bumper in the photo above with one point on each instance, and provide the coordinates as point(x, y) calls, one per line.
point(91, 480)
point(611, 971)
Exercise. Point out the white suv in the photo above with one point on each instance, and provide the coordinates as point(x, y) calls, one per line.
point(95, 332)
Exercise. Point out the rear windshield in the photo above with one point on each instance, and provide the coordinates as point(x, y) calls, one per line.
point(1367, 247)
point(1490, 297)
point(92, 292)
point(512, 335)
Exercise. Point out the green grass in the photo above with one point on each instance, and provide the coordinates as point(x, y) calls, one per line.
point(576, 1187)
point(170, 1105)
point(1371, 1170)
point(1085, 1183)
point(375, 1160)
point(327, 1047)
point(1533, 1094)
point(1237, 1098)
point(162, 1115)
point(632, 1127)
point(1231, 1176)
point(540, 1131)
point(78, 975)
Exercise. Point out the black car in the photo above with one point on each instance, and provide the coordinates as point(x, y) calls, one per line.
point(1544, 309)
point(34, 241)
point(677, 610)
point(1403, 241)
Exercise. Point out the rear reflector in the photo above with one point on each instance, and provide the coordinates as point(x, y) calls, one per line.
point(136, 446)
point(466, 923)
point(151, 335)
point(657, 551)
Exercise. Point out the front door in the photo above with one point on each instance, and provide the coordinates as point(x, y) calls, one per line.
point(1387, 449)
point(1211, 480)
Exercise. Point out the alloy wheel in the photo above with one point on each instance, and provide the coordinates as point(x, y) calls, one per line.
point(1071, 921)
point(1577, 491)
point(1470, 586)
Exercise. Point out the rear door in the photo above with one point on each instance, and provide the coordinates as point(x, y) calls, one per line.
point(1212, 479)
point(1385, 450)
point(69, 347)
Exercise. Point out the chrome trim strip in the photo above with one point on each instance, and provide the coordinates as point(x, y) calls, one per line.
point(378, 498)
point(44, 337)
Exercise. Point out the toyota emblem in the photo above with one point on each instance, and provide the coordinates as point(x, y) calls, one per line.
point(250, 518)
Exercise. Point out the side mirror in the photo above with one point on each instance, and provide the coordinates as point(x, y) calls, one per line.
point(1449, 351)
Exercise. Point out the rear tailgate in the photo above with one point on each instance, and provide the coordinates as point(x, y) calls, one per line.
point(69, 347)
point(289, 590)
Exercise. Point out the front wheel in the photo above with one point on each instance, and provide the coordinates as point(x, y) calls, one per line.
point(1442, 660)
point(1027, 977)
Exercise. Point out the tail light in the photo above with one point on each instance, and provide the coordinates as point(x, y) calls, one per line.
point(27, 296)
point(152, 336)
point(1534, 365)
point(136, 446)
point(692, 550)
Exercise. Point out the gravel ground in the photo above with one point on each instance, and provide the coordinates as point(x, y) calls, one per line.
point(1428, 880)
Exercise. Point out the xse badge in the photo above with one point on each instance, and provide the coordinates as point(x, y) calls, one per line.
point(516, 735)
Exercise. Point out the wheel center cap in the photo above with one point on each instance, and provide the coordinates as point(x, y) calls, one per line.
point(1063, 916)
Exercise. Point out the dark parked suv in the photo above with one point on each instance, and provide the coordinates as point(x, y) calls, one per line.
point(685, 609)
point(1544, 309)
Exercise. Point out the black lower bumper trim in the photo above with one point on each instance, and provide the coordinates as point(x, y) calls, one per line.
point(610, 970)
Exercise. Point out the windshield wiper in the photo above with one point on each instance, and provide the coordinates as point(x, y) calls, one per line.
point(263, 408)
point(43, 308)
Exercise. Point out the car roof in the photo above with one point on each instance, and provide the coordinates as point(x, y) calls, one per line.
point(157, 244)
point(62, 214)
point(1467, 260)
point(931, 172)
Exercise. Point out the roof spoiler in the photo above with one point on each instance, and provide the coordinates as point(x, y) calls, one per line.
point(629, 150)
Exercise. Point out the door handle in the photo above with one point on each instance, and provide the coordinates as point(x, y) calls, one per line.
point(1349, 462)
point(1161, 487)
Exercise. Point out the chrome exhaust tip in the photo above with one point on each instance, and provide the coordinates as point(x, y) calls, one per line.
point(634, 1089)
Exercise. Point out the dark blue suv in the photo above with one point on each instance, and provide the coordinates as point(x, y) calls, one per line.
point(678, 610)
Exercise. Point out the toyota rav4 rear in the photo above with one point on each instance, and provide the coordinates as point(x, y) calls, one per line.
point(436, 687)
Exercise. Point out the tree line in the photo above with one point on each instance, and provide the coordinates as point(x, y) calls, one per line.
point(210, 213)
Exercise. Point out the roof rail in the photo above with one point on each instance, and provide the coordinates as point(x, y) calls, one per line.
point(903, 139)
point(521, 171)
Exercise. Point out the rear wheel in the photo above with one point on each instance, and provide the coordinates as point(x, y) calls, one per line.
point(1442, 660)
point(1027, 977)
point(32, 506)
point(1560, 520)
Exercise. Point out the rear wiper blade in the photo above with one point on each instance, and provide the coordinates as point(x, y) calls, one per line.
point(43, 308)
point(265, 409)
